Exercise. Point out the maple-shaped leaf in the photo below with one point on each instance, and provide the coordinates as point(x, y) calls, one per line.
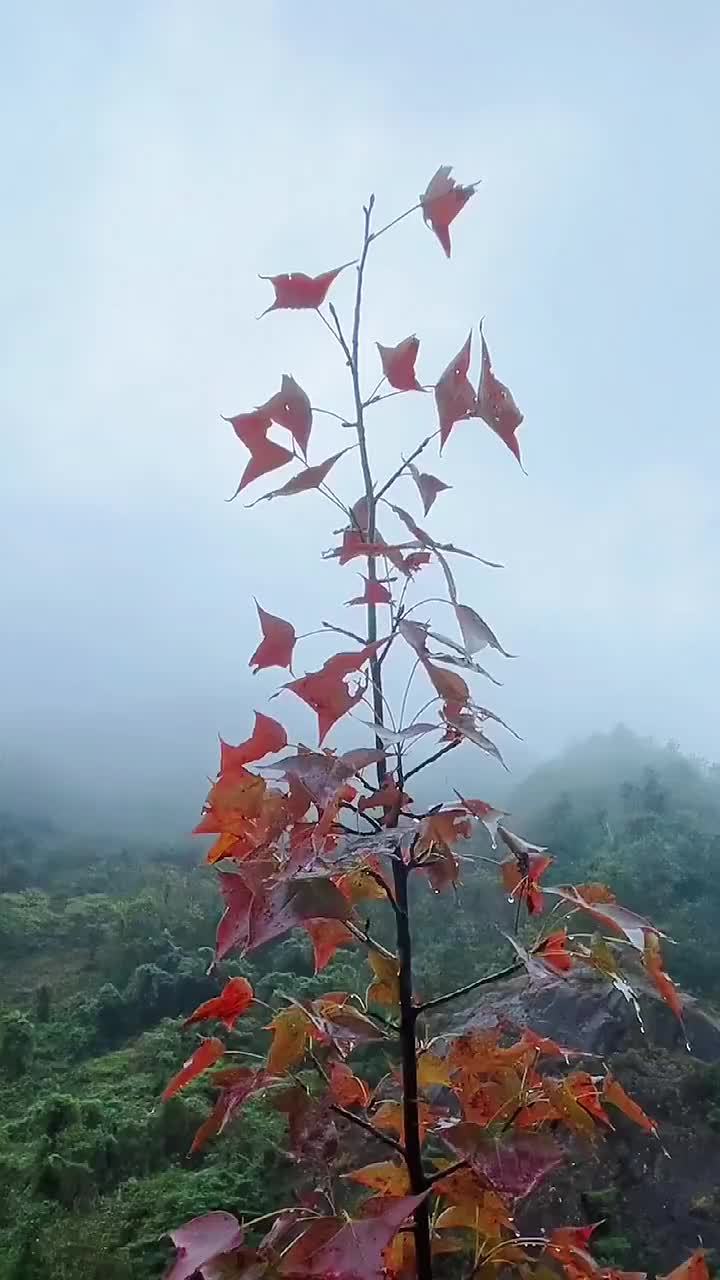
point(299, 292)
point(429, 486)
point(326, 937)
point(513, 1165)
point(236, 794)
point(265, 455)
point(237, 1084)
point(232, 930)
point(569, 1247)
point(553, 951)
point(355, 1251)
point(387, 797)
point(442, 201)
point(205, 1056)
point(292, 1032)
point(454, 393)
point(653, 965)
point(521, 874)
point(268, 736)
point(290, 407)
point(386, 1177)
point(618, 918)
point(346, 1089)
point(464, 724)
point(376, 592)
point(398, 364)
point(432, 1070)
point(385, 987)
point(234, 1000)
point(310, 478)
point(695, 1268)
point(277, 644)
point(496, 406)
point(202, 1240)
point(476, 633)
point(326, 692)
point(486, 814)
point(415, 561)
point(614, 1093)
point(277, 908)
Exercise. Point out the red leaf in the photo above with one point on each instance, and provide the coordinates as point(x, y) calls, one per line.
point(326, 691)
point(416, 560)
point(447, 684)
point(496, 406)
point(375, 592)
point(428, 485)
point(326, 937)
point(206, 1055)
point(621, 919)
point(653, 963)
point(346, 1088)
point(355, 1252)
point(267, 736)
point(278, 642)
point(398, 364)
point(298, 292)
point(485, 814)
point(232, 930)
point(234, 1000)
point(276, 909)
point(454, 394)
point(553, 951)
point(512, 1165)
point(265, 455)
point(441, 203)
point(310, 478)
point(290, 407)
point(521, 874)
point(240, 1083)
point(201, 1240)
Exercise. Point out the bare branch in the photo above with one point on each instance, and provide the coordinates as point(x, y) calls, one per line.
point(449, 746)
point(498, 976)
point(406, 463)
point(368, 1127)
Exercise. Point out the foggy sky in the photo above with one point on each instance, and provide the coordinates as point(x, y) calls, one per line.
point(156, 158)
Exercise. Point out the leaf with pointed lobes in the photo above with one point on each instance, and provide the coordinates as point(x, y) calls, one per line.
point(569, 1247)
point(276, 909)
point(387, 797)
point(346, 1089)
point(620, 919)
point(416, 561)
point(387, 1177)
point(512, 1165)
point(238, 1084)
point(429, 486)
point(376, 592)
point(476, 633)
point(290, 407)
point(326, 692)
point(385, 987)
point(355, 1251)
point(310, 478)
point(653, 964)
point(486, 814)
point(205, 1056)
point(299, 292)
point(614, 1093)
point(327, 936)
point(277, 644)
point(695, 1268)
point(432, 1070)
point(442, 201)
point(265, 456)
point(553, 951)
point(463, 724)
point(234, 1000)
point(521, 874)
point(496, 406)
point(454, 393)
point(268, 736)
point(201, 1241)
point(398, 364)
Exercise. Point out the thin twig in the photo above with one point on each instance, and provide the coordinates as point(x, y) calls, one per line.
point(368, 1127)
point(449, 746)
point(370, 942)
point(498, 976)
point(445, 1173)
point(406, 463)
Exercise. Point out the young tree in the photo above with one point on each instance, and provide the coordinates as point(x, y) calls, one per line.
point(469, 1125)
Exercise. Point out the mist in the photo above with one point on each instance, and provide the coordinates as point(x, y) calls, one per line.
point(156, 160)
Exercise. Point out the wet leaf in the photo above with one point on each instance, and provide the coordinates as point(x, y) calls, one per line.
point(202, 1240)
point(205, 1056)
point(234, 1000)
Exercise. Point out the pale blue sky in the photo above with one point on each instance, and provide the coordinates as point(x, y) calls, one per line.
point(156, 157)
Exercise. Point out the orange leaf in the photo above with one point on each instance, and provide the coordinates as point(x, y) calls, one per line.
point(553, 951)
point(268, 736)
point(265, 455)
point(385, 989)
point(695, 1268)
point(432, 1070)
point(277, 644)
point(653, 963)
point(206, 1055)
point(346, 1088)
point(297, 291)
point(234, 1000)
point(447, 684)
point(326, 937)
point(386, 1177)
point(292, 1031)
point(454, 393)
point(614, 1093)
point(398, 364)
point(441, 203)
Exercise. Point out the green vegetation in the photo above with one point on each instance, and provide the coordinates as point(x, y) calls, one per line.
point(103, 952)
